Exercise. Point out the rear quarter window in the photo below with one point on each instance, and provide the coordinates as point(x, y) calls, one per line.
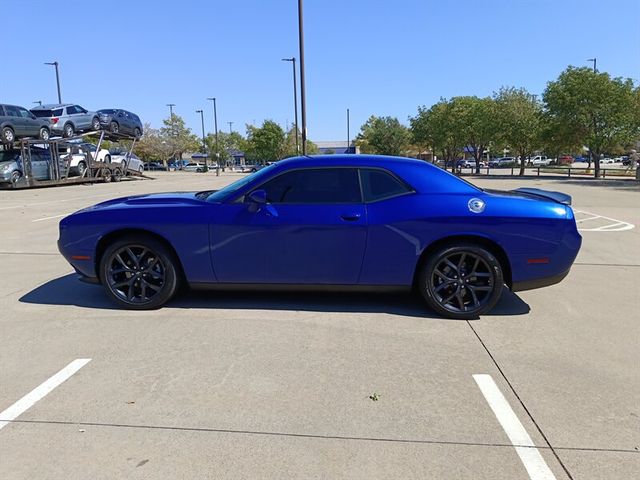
point(380, 184)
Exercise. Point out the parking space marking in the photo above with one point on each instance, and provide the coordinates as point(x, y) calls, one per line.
point(529, 454)
point(61, 200)
point(50, 218)
point(610, 224)
point(42, 390)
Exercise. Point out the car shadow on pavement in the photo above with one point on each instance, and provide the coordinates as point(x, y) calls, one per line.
point(68, 290)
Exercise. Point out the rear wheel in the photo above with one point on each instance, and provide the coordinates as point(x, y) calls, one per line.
point(461, 281)
point(139, 272)
point(114, 127)
point(116, 175)
point(136, 132)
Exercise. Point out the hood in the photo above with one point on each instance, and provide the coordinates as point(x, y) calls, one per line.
point(153, 199)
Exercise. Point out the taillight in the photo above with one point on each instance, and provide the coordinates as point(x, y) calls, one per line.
point(54, 120)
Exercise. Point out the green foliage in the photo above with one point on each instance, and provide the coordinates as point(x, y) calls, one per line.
point(265, 143)
point(519, 120)
point(478, 123)
point(599, 111)
point(177, 137)
point(383, 136)
point(226, 142)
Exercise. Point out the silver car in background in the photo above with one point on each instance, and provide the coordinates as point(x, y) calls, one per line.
point(67, 119)
point(12, 166)
point(128, 161)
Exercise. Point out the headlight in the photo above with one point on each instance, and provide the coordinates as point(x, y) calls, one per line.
point(5, 168)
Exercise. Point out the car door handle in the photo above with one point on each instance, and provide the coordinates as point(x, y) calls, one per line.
point(350, 217)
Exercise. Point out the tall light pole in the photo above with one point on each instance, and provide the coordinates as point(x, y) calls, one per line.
point(594, 60)
point(55, 64)
point(303, 100)
point(295, 99)
point(171, 105)
point(348, 133)
point(204, 142)
point(230, 127)
point(215, 126)
point(39, 102)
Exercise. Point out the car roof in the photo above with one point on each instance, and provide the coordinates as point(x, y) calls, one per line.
point(360, 160)
point(51, 106)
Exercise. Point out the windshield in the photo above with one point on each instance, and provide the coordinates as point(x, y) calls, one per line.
point(232, 188)
point(9, 156)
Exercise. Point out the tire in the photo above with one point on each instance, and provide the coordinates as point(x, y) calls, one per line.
point(16, 176)
point(95, 124)
point(107, 159)
point(106, 175)
point(461, 281)
point(141, 170)
point(44, 134)
point(68, 130)
point(116, 175)
point(139, 273)
point(137, 133)
point(8, 135)
point(82, 167)
point(114, 127)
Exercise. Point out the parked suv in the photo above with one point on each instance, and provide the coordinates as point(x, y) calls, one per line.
point(12, 167)
point(17, 122)
point(120, 121)
point(67, 119)
point(81, 155)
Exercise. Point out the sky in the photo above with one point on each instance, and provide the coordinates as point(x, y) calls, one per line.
point(373, 57)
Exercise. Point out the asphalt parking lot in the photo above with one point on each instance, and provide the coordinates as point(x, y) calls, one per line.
point(276, 385)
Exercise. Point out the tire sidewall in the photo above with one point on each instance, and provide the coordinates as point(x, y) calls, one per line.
point(170, 263)
point(425, 288)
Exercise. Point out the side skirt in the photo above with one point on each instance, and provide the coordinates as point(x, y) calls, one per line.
point(285, 287)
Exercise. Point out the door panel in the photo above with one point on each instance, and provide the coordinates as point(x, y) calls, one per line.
point(309, 244)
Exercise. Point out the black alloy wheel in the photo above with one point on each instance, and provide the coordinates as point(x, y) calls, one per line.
point(68, 130)
point(114, 127)
point(116, 176)
point(461, 281)
point(139, 272)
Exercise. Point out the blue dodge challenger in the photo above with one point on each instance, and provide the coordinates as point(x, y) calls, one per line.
point(354, 221)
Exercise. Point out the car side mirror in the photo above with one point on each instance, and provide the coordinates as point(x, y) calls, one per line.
point(256, 200)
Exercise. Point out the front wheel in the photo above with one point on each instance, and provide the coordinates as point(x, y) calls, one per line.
point(114, 127)
point(8, 135)
point(82, 168)
point(44, 134)
point(95, 123)
point(68, 130)
point(461, 281)
point(139, 272)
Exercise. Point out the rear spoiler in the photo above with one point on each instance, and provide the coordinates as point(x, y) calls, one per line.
point(546, 194)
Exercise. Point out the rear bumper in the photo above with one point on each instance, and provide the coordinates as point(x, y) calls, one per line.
point(538, 282)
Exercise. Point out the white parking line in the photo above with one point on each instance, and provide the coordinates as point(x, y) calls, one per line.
point(530, 456)
point(612, 224)
point(38, 393)
point(51, 202)
point(49, 218)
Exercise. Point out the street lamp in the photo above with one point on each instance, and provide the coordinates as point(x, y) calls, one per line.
point(39, 102)
point(348, 133)
point(594, 60)
point(295, 98)
point(204, 143)
point(55, 64)
point(303, 100)
point(215, 123)
point(230, 127)
point(171, 105)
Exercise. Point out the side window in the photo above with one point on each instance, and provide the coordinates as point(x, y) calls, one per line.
point(330, 185)
point(12, 111)
point(79, 109)
point(379, 184)
point(57, 112)
point(71, 110)
point(24, 113)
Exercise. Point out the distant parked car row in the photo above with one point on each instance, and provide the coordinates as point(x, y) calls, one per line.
point(63, 120)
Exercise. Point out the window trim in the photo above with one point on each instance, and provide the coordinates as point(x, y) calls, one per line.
point(242, 196)
point(410, 189)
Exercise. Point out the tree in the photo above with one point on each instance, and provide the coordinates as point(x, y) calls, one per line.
point(476, 117)
point(438, 128)
point(227, 142)
point(178, 138)
point(265, 143)
point(152, 146)
point(598, 110)
point(519, 121)
point(383, 136)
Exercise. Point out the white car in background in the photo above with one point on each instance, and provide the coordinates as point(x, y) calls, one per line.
point(80, 155)
point(130, 162)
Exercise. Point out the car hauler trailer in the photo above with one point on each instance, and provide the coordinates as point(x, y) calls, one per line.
point(48, 163)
